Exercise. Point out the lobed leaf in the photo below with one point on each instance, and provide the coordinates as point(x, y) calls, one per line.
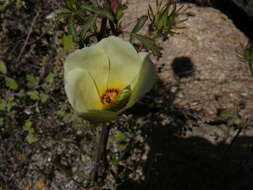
point(11, 83)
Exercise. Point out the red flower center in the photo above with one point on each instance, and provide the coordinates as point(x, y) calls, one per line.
point(109, 96)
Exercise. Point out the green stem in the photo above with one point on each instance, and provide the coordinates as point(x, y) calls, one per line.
point(101, 161)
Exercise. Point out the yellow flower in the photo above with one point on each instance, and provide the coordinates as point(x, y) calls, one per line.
point(103, 80)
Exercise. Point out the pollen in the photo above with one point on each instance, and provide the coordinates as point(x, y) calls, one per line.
point(109, 96)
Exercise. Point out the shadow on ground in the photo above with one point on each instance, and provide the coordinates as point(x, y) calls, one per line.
point(196, 164)
point(178, 162)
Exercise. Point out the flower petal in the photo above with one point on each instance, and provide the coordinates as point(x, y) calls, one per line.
point(100, 115)
point(94, 60)
point(123, 60)
point(81, 90)
point(144, 80)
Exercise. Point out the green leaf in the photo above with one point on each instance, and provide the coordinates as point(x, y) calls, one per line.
point(68, 43)
point(140, 23)
point(3, 68)
point(43, 97)
point(60, 113)
point(33, 94)
point(148, 44)
point(10, 105)
point(31, 138)
point(2, 104)
point(50, 78)
point(87, 26)
point(32, 81)
point(71, 28)
point(151, 13)
point(11, 83)
point(73, 117)
point(70, 4)
point(77, 125)
point(99, 11)
point(63, 12)
point(166, 21)
point(21, 93)
point(120, 12)
point(28, 126)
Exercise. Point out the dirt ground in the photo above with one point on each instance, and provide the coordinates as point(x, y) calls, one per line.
point(181, 136)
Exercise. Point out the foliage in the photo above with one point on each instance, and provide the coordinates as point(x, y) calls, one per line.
point(88, 23)
point(31, 138)
point(83, 19)
point(165, 19)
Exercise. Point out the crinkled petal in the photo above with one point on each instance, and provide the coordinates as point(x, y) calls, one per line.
point(123, 60)
point(81, 90)
point(144, 80)
point(94, 60)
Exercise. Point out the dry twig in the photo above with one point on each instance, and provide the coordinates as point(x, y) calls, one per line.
point(27, 37)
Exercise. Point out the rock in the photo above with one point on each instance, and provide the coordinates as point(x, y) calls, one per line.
point(202, 61)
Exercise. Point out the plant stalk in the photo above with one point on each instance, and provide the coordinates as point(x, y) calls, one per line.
point(101, 163)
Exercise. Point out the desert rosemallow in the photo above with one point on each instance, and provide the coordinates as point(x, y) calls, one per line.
point(103, 80)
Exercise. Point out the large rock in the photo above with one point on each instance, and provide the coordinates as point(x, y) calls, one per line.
point(200, 65)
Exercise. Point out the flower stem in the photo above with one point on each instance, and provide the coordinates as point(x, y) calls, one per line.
point(101, 161)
